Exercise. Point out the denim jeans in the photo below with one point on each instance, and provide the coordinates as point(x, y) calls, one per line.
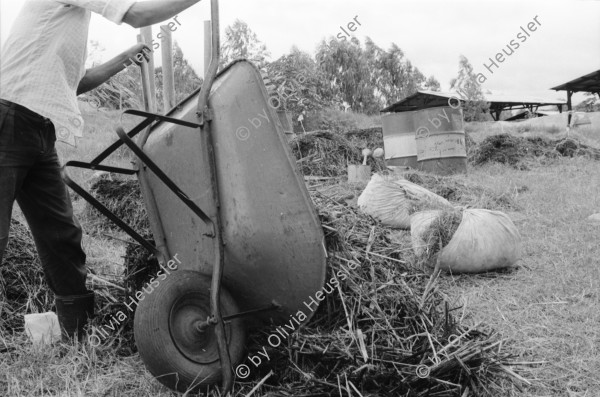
point(30, 174)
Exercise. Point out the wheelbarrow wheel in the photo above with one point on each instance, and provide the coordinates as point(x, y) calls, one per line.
point(173, 338)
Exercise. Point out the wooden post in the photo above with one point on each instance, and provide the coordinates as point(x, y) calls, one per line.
point(569, 107)
point(207, 46)
point(167, 68)
point(147, 37)
point(147, 97)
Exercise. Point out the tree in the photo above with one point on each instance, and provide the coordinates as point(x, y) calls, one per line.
point(466, 85)
point(591, 103)
point(432, 84)
point(386, 71)
point(242, 43)
point(294, 83)
point(347, 75)
point(392, 75)
point(369, 78)
point(415, 79)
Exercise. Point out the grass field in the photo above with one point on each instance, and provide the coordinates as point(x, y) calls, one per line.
point(546, 309)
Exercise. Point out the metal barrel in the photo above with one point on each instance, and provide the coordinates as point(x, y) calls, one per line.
point(399, 131)
point(440, 140)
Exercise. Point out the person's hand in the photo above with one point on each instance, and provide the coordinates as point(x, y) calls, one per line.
point(138, 53)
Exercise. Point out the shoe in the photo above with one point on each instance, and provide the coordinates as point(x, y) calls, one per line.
point(73, 313)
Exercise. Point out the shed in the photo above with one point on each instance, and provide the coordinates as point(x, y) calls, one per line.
point(498, 102)
point(588, 83)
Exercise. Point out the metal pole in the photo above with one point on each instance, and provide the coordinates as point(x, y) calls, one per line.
point(167, 68)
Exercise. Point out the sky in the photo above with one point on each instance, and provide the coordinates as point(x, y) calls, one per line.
point(431, 33)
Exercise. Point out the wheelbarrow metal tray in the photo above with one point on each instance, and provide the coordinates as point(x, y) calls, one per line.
point(274, 244)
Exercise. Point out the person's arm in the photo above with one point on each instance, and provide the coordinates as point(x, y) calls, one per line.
point(97, 76)
point(147, 13)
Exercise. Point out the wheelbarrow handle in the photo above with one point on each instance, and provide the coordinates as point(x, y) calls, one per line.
point(204, 116)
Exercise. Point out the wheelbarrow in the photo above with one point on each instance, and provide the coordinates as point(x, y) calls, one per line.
point(228, 208)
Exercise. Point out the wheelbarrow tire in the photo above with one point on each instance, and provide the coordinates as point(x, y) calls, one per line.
point(170, 337)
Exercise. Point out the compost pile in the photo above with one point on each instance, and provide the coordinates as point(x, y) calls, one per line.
point(327, 154)
point(380, 333)
point(520, 152)
point(22, 285)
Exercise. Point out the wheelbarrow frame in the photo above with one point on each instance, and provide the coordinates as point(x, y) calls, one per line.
point(161, 251)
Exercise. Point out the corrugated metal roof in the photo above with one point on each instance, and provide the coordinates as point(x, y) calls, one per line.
point(423, 99)
point(588, 83)
point(527, 99)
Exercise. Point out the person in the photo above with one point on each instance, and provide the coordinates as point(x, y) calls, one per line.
point(42, 70)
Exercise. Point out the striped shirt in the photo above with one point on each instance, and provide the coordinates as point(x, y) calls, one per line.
point(43, 59)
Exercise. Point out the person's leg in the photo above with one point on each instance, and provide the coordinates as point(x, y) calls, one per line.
point(46, 204)
point(15, 159)
point(10, 181)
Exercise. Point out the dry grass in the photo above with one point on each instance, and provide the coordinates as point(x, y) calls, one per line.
point(524, 152)
point(438, 235)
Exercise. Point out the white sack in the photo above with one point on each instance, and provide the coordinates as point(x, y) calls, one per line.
point(42, 328)
point(390, 200)
point(485, 240)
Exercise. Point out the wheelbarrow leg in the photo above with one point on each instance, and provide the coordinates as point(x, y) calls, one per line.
point(207, 142)
point(156, 223)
